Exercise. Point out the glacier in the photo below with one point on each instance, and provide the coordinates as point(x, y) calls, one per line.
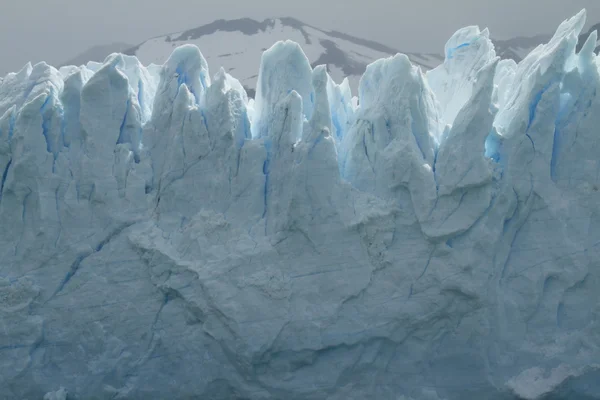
point(435, 237)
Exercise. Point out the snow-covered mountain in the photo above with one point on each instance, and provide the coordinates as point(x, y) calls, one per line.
point(519, 47)
point(165, 237)
point(345, 55)
point(246, 39)
point(237, 45)
point(98, 53)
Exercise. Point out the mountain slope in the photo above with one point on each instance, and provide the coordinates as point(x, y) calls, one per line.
point(518, 47)
point(98, 53)
point(237, 45)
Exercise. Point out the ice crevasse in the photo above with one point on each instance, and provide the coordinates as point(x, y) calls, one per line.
point(164, 236)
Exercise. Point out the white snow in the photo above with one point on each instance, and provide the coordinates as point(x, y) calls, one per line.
point(437, 237)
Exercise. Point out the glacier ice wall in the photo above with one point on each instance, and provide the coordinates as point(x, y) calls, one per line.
point(163, 236)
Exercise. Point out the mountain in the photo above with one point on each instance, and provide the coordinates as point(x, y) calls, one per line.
point(98, 53)
point(237, 45)
point(517, 48)
point(165, 237)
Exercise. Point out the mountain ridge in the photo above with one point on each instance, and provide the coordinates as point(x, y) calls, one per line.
point(98, 53)
point(346, 55)
point(323, 47)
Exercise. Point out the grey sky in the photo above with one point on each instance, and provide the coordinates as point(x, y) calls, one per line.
point(57, 30)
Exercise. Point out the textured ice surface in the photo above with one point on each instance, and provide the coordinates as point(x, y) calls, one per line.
point(163, 237)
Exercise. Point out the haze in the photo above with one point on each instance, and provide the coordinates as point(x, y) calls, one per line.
point(36, 30)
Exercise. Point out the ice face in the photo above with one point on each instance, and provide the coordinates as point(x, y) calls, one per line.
point(165, 237)
point(467, 51)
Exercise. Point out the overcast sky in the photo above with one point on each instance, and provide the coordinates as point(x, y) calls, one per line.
point(57, 30)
